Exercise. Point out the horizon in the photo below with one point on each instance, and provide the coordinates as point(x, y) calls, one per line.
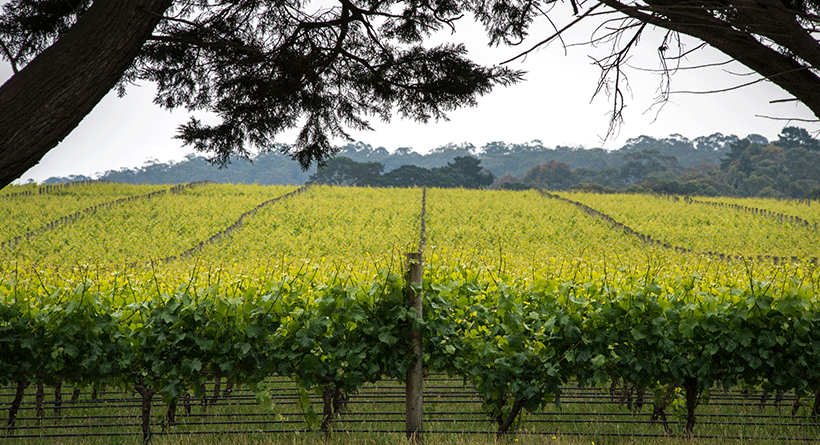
point(475, 150)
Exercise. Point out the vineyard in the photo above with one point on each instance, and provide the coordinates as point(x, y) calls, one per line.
point(290, 304)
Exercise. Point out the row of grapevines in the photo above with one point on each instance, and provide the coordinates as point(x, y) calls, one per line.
point(23, 214)
point(337, 229)
point(139, 231)
point(162, 337)
point(526, 235)
point(704, 228)
point(359, 230)
point(517, 340)
point(804, 208)
point(541, 293)
point(517, 231)
point(12, 189)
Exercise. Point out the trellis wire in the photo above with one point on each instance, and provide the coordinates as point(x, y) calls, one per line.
point(389, 393)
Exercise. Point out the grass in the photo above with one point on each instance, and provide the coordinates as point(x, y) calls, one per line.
point(375, 416)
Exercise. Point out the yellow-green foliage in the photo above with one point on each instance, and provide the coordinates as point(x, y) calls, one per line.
point(520, 235)
point(23, 214)
point(335, 228)
point(519, 231)
point(804, 208)
point(523, 294)
point(142, 230)
point(705, 228)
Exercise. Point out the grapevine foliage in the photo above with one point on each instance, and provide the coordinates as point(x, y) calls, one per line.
point(517, 341)
point(514, 302)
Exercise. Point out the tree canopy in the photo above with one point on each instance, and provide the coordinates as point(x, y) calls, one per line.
point(263, 66)
point(260, 66)
point(710, 165)
point(788, 167)
point(464, 171)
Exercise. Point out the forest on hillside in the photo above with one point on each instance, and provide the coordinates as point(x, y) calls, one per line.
point(708, 165)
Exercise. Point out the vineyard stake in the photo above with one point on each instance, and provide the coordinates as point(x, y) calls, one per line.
point(415, 383)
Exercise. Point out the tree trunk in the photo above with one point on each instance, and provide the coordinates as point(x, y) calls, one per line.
point(171, 412)
point(15, 404)
point(505, 424)
point(815, 407)
point(39, 398)
point(58, 397)
point(186, 403)
point(659, 410)
point(690, 388)
point(217, 390)
point(640, 396)
point(49, 97)
point(146, 394)
point(228, 387)
point(327, 407)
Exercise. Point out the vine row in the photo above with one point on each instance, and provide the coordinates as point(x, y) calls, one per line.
point(228, 231)
point(42, 190)
point(517, 342)
point(649, 240)
point(783, 218)
point(74, 217)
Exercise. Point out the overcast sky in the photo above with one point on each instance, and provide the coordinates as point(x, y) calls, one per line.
point(554, 105)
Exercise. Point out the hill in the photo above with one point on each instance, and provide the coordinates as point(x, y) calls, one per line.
point(716, 164)
point(501, 158)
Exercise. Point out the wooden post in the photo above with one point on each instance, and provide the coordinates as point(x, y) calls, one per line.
point(415, 383)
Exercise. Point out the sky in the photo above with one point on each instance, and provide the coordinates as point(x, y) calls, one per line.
point(554, 105)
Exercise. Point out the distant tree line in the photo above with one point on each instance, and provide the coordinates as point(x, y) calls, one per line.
point(788, 167)
point(707, 165)
point(464, 171)
point(501, 158)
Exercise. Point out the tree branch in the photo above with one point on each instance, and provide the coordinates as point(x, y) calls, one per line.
point(782, 69)
point(607, 65)
point(11, 58)
point(553, 36)
point(790, 119)
point(203, 43)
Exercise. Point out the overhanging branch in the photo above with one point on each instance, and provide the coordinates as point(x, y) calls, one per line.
point(553, 36)
point(203, 43)
point(9, 56)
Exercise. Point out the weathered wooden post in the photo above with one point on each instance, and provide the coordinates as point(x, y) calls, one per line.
point(415, 384)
